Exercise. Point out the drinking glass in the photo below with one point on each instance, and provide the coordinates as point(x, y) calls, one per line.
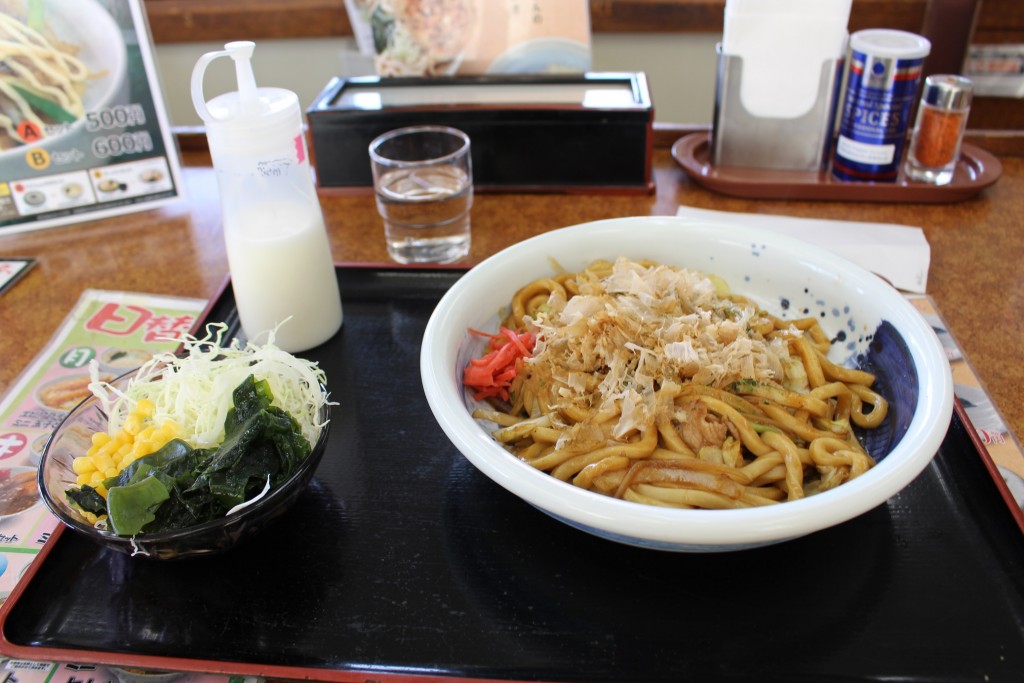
point(423, 181)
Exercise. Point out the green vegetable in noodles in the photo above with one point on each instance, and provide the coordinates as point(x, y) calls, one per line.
point(47, 108)
point(383, 26)
point(36, 19)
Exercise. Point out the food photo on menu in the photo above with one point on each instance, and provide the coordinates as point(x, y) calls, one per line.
point(83, 131)
point(467, 37)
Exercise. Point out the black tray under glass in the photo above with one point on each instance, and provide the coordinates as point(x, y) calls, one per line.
point(402, 560)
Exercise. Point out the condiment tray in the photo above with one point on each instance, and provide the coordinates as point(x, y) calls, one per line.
point(976, 170)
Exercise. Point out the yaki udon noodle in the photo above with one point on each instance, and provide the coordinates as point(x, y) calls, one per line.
point(656, 385)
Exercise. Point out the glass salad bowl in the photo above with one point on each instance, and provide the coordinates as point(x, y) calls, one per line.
point(73, 438)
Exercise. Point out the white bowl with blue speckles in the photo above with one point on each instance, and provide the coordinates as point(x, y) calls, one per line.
point(865, 315)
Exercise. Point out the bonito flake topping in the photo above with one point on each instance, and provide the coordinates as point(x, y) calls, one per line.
point(610, 347)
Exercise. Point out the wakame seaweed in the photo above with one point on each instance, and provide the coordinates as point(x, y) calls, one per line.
point(179, 486)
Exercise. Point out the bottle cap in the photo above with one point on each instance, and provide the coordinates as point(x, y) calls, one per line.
point(241, 120)
point(948, 91)
point(886, 43)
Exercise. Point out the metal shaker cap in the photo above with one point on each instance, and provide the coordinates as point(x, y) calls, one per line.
point(888, 43)
point(948, 91)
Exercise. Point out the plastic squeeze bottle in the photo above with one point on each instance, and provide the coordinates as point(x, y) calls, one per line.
point(282, 271)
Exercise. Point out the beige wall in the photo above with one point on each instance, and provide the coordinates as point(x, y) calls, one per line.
point(680, 69)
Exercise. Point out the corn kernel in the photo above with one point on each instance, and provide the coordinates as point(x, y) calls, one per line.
point(82, 464)
point(110, 454)
point(145, 407)
point(102, 461)
point(108, 449)
point(132, 424)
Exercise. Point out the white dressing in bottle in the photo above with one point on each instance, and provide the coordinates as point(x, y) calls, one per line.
point(282, 271)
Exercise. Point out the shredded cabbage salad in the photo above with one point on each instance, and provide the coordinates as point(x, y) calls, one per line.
point(194, 387)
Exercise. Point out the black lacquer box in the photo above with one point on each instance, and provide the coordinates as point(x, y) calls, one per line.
point(554, 133)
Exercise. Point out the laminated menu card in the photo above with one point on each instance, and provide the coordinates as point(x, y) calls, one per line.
point(83, 127)
point(472, 37)
point(118, 331)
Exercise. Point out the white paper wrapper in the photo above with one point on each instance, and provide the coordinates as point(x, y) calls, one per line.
point(898, 253)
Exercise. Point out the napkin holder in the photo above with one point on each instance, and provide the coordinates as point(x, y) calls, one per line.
point(537, 133)
point(741, 139)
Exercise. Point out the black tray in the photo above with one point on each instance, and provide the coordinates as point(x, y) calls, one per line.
point(403, 560)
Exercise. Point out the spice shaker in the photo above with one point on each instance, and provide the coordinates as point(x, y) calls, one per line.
point(939, 129)
point(880, 86)
point(282, 272)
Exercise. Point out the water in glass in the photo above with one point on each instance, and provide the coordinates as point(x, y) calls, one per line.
point(426, 213)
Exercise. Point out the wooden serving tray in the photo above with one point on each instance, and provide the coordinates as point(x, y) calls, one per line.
point(976, 170)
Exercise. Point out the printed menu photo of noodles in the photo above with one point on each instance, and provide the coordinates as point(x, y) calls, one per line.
point(83, 128)
point(472, 37)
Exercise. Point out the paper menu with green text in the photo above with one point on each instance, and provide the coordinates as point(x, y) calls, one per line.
point(118, 331)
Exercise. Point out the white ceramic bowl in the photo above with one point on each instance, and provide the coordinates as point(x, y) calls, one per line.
point(784, 276)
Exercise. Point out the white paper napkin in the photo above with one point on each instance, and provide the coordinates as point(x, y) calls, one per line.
point(898, 253)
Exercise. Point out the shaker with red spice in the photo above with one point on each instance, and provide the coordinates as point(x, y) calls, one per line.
point(939, 129)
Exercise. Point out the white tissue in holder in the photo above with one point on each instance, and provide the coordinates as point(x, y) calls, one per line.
point(778, 67)
point(783, 44)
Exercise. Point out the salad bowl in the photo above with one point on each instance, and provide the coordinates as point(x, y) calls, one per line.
point(71, 439)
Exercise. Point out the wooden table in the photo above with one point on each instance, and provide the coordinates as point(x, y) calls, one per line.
point(976, 278)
